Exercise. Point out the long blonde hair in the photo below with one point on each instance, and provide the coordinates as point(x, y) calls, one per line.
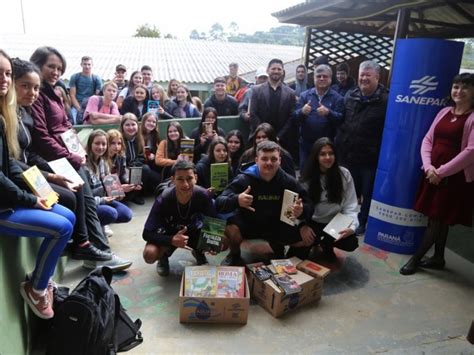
point(8, 114)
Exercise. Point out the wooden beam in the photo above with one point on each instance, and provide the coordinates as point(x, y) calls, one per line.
point(461, 11)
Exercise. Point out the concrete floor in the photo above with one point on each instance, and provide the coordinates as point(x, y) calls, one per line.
point(367, 306)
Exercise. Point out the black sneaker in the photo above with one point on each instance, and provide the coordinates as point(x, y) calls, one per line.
point(163, 266)
point(200, 257)
point(233, 260)
point(138, 200)
point(90, 252)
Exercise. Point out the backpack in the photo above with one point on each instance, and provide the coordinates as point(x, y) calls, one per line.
point(92, 321)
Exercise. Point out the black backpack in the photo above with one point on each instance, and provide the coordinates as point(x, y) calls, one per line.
point(92, 321)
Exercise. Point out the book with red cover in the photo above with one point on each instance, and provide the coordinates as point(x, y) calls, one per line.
point(112, 185)
point(230, 281)
point(283, 265)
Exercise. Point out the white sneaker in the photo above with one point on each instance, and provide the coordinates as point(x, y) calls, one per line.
point(108, 232)
point(116, 264)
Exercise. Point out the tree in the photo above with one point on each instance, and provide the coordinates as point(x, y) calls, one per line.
point(233, 29)
point(196, 35)
point(147, 30)
point(216, 33)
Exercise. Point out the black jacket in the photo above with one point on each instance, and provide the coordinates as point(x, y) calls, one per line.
point(203, 168)
point(360, 135)
point(228, 107)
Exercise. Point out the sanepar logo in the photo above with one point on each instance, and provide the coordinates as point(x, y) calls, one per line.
point(423, 85)
point(419, 87)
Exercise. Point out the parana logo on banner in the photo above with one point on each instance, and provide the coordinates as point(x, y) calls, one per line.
point(419, 87)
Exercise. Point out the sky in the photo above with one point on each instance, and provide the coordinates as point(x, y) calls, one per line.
point(123, 17)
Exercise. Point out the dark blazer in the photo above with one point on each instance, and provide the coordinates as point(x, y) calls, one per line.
point(260, 109)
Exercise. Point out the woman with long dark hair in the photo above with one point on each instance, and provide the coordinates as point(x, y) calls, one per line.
point(332, 191)
point(169, 149)
point(446, 194)
point(236, 143)
point(206, 132)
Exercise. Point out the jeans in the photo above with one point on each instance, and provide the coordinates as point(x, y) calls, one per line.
point(54, 225)
point(114, 212)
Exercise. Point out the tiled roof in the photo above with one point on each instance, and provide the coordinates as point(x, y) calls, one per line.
point(190, 61)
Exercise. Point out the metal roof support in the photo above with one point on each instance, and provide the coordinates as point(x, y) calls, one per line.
point(401, 31)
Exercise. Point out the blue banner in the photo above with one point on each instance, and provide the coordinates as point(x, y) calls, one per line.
point(422, 73)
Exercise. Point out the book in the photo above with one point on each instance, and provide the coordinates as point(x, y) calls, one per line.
point(219, 176)
point(212, 233)
point(286, 284)
point(200, 281)
point(260, 271)
point(187, 149)
point(230, 281)
point(135, 175)
point(283, 265)
point(153, 106)
point(72, 143)
point(39, 186)
point(207, 128)
point(63, 167)
point(286, 214)
point(338, 223)
point(313, 269)
point(112, 185)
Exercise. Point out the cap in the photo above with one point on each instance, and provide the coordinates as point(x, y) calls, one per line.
point(120, 67)
point(261, 72)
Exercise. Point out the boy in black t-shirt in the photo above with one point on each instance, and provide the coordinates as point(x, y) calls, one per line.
point(176, 218)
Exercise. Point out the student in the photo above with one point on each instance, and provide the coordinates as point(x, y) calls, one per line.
point(332, 191)
point(169, 149)
point(147, 74)
point(135, 155)
point(50, 121)
point(103, 109)
point(167, 106)
point(137, 103)
point(263, 132)
point(135, 79)
point(151, 138)
point(116, 155)
point(109, 210)
point(256, 196)
point(172, 87)
point(225, 104)
point(24, 214)
point(202, 136)
point(217, 153)
point(236, 145)
point(185, 106)
point(175, 220)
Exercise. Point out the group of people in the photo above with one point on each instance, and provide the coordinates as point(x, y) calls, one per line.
point(336, 139)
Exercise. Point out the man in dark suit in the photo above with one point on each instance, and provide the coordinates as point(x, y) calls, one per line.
point(274, 102)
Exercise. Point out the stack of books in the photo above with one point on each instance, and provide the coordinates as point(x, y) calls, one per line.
point(214, 281)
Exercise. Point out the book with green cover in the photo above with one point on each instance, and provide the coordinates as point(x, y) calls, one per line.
point(200, 281)
point(39, 186)
point(219, 176)
point(212, 234)
point(187, 149)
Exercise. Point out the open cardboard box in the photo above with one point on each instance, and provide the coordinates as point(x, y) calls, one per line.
point(213, 309)
point(270, 297)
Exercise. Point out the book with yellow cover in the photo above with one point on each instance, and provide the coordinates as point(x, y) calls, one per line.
point(39, 186)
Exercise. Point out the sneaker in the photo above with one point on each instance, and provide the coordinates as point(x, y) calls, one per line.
point(138, 200)
point(108, 232)
point(360, 230)
point(90, 252)
point(41, 305)
point(200, 257)
point(163, 266)
point(232, 260)
point(116, 263)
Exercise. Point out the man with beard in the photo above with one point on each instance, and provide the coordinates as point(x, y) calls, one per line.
point(274, 102)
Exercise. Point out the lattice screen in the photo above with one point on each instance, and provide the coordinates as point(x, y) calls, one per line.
point(343, 46)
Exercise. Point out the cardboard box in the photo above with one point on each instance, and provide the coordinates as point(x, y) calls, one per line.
point(270, 297)
point(213, 309)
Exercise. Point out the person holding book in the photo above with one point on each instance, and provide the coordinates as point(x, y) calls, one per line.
point(137, 103)
point(331, 188)
point(265, 131)
point(166, 106)
point(176, 218)
point(109, 209)
point(50, 121)
point(256, 195)
point(218, 153)
point(135, 156)
point(446, 194)
point(185, 107)
point(205, 132)
point(151, 138)
point(236, 145)
point(169, 149)
point(103, 109)
point(23, 214)
point(172, 87)
point(135, 79)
